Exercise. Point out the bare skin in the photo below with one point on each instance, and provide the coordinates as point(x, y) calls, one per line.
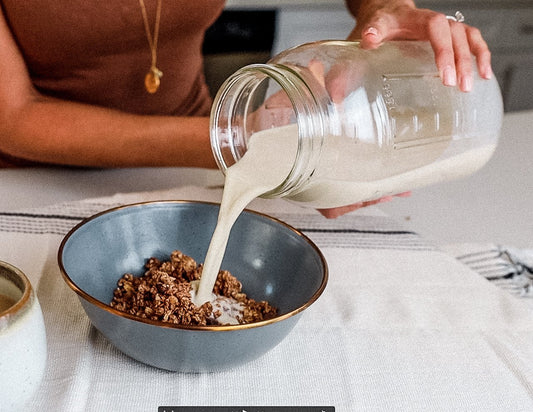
point(44, 129)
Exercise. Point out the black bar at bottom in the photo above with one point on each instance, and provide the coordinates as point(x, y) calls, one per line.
point(246, 409)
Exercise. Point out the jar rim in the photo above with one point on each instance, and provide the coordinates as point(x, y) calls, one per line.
point(308, 114)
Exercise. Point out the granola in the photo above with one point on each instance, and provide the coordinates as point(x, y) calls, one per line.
point(163, 293)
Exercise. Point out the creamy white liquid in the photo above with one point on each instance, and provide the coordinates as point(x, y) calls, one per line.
point(350, 175)
point(257, 172)
point(230, 310)
point(368, 176)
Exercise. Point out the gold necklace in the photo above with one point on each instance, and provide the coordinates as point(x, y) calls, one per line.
point(153, 77)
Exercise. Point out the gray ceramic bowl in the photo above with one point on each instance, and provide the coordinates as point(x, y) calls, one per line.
point(273, 261)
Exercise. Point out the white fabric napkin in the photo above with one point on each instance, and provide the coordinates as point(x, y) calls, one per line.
point(401, 326)
point(508, 267)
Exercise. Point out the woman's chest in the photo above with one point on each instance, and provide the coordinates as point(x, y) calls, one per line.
point(81, 29)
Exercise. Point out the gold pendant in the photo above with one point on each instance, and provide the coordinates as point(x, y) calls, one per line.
point(152, 80)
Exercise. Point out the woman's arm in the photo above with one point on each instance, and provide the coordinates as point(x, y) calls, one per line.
point(453, 43)
point(44, 129)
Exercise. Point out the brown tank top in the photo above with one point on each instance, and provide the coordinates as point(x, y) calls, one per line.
point(97, 52)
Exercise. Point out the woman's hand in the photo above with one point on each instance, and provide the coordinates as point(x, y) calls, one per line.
point(453, 42)
point(339, 211)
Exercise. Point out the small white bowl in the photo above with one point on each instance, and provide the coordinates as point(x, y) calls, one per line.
point(22, 340)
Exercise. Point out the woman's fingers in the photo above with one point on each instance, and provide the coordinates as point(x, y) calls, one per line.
point(339, 211)
point(439, 35)
point(463, 56)
point(453, 42)
point(480, 49)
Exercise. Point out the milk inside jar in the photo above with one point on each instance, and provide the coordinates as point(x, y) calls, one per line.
point(328, 124)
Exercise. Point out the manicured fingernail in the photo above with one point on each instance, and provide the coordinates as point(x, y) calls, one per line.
point(448, 76)
point(466, 83)
point(487, 73)
point(371, 31)
point(385, 199)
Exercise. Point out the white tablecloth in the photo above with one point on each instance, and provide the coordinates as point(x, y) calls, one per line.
point(401, 326)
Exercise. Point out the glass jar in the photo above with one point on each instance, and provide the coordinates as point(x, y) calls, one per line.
point(364, 123)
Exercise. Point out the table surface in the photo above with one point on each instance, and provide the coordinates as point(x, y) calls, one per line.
point(401, 326)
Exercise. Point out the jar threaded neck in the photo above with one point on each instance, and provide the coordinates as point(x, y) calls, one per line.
point(241, 95)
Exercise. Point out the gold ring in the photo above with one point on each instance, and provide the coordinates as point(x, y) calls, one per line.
point(458, 17)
